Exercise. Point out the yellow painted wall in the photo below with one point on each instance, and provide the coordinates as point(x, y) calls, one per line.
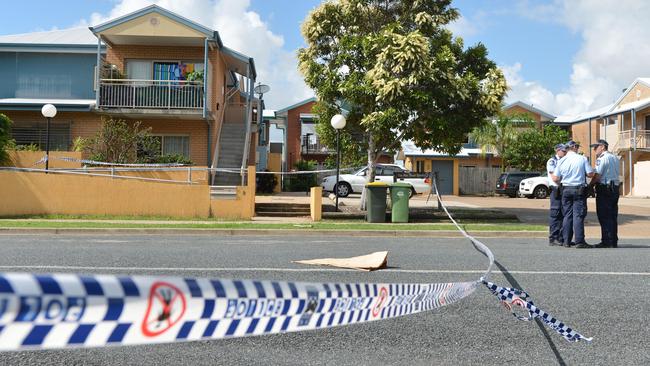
point(153, 25)
point(238, 208)
point(639, 89)
point(25, 193)
point(26, 159)
point(243, 207)
point(316, 203)
point(197, 176)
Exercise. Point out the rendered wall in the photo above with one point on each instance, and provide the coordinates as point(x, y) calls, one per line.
point(26, 159)
point(642, 174)
point(25, 193)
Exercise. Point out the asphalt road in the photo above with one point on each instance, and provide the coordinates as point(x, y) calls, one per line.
point(602, 293)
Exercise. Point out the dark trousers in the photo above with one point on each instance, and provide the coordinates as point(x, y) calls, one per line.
point(607, 211)
point(574, 209)
point(555, 216)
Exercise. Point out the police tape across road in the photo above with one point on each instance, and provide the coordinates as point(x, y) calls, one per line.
point(69, 310)
point(180, 165)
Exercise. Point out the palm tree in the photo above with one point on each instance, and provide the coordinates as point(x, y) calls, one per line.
point(496, 134)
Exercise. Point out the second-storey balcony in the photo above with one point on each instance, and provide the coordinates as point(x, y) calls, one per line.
point(145, 96)
point(631, 140)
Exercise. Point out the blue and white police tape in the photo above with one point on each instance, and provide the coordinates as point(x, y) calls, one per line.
point(511, 296)
point(67, 310)
point(94, 162)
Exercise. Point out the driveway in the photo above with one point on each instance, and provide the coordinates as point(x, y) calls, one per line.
point(633, 218)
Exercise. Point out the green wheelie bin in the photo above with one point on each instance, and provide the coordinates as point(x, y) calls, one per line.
point(376, 202)
point(399, 197)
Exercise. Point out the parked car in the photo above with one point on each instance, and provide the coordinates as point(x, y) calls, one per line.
point(508, 183)
point(354, 183)
point(536, 187)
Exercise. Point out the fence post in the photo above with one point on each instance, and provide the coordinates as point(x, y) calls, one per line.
point(169, 94)
point(435, 177)
point(189, 175)
point(112, 172)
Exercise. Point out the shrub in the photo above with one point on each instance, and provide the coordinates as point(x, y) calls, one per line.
point(5, 132)
point(173, 159)
point(302, 182)
point(265, 182)
point(120, 142)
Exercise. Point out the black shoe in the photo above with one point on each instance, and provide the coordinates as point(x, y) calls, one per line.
point(555, 243)
point(583, 245)
point(604, 245)
point(568, 245)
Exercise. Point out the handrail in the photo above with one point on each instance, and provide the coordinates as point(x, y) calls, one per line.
point(141, 93)
point(629, 140)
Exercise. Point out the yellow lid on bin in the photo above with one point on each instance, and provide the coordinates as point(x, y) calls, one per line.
point(377, 184)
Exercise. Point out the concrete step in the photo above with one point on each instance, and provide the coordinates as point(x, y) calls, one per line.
point(282, 214)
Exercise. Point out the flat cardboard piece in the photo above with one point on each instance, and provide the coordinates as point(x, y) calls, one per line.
point(369, 262)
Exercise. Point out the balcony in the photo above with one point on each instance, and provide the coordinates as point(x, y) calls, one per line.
point(145, 96)
point(629, 140)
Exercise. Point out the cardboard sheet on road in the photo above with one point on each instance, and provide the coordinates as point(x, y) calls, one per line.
point(369, 262)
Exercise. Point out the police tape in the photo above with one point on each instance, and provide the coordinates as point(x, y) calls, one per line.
point(68, 310)
point(511, 297)
point(94, 162)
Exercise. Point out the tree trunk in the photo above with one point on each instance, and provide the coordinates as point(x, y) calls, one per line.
point(370, 175)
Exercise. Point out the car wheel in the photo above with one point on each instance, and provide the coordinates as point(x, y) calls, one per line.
point(412, 193)
point(343, 189)
point(540, 192)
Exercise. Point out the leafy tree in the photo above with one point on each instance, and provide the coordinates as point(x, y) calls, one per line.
point(5, 133)
point(120, 142)
point(530, 150)
point(400, 72)
point(496, 135)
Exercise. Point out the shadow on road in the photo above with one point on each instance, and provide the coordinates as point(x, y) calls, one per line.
point(513, 282)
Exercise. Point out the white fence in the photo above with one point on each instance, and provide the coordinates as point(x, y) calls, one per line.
point(165, 94)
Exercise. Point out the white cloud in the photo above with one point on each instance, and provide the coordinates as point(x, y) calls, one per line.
point(613, 53)
point(240, 29)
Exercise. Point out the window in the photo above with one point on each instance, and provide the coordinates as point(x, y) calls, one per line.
point(174, 70)
point(419, 166)
point(175, 145)
point(35, 133)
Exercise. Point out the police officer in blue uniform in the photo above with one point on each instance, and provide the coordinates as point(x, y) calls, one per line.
point(555, 215)
point(572, 173)
point(607, 184)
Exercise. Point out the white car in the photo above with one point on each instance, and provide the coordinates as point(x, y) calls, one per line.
point(536, 187)
point(354, 183)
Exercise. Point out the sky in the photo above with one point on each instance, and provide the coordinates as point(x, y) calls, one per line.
point(562, 56)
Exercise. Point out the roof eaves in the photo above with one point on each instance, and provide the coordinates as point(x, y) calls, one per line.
point(529, 107)
point(49, 48)
point(296, 105)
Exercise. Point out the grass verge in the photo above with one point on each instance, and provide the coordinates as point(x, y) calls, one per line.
point(339, 225)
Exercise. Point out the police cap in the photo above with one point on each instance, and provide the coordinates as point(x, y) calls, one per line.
point(599, 142)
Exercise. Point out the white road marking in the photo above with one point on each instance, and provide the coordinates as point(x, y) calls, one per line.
point(269, 269)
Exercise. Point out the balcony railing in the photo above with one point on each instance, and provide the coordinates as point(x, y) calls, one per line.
point(316, 148)
point(150, 94)
point(628, 140)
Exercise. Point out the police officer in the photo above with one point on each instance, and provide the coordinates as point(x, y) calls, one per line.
point(555, 214)
point(572, 172)
point(607, 184)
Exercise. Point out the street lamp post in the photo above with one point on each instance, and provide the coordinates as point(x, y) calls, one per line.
point(48, 111)
point(338, 122)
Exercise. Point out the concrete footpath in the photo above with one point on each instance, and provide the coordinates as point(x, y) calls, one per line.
point(634, 220)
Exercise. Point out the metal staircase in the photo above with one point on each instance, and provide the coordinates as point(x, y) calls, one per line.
point(232, 143)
